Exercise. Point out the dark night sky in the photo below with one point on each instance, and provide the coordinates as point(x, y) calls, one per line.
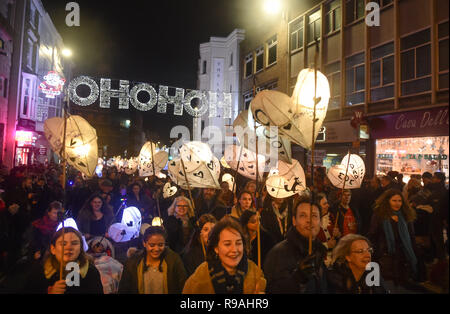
point(148, 41)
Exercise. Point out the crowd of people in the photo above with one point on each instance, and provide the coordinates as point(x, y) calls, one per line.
point(222, 241)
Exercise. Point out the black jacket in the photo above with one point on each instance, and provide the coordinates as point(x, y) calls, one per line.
point(281, 266)
point(214, 207)
point(175, 235)
point(341, 281)
point(193, 257)
point(270, 222)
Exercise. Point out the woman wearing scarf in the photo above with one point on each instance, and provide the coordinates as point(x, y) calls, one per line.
point(43, 230)
point(227, 269)
point(245, 202)
point(392, 232)
point(46, 278)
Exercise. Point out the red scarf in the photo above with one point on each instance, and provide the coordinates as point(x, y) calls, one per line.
point(45, 225)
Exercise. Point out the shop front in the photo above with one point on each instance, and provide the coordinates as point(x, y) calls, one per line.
point(25, 139)
point(411, 142)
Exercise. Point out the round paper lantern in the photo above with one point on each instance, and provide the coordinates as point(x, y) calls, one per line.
point(286, 180)
point(277, 187)
point(303, 103)
point(120, 232)
point(81, 145)
point(52, 133)
point(230, 180)
point(247, 161)
point(270, 107)
point(132, 219)
point(145, 159)
point(195, 154)
point(157, 221)
point(355, 173)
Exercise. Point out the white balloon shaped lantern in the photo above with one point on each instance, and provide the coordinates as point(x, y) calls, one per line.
point(355, 173)
point(147, 161)
point(286, 180)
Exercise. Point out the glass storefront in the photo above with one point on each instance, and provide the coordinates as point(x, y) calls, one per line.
point(413, 155)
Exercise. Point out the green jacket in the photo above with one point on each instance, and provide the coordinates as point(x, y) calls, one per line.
point(133, 273)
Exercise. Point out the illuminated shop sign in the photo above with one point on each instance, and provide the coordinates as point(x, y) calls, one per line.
point(52, 85)
point(24, 137)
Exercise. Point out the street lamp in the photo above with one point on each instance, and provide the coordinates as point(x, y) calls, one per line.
point(67, 52)
point(272, 6)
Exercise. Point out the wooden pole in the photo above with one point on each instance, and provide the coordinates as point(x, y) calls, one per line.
point(154, 173)
point(61, 267)
point(342, 191)
point(258, 235)
point(189, 187)
point(235, 173)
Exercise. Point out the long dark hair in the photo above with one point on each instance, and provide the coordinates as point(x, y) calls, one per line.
point(87, 208)
point(383, 208)
point(152, 230)
point(195, 238)
point(226, 222)
point(82, 258)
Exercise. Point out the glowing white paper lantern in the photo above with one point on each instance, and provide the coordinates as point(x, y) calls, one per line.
point(52, 133)
point(132, 219)
point(230, 180)
point(303, 105)
point(355, 173)
point(120, 232)
point(286, 180)
point(145, 159)
point(247, 163)
point(168, 190)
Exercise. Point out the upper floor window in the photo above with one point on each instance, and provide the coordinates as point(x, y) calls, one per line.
point(354, 10)
point(231, 59)
point(314, 26)
point(204, 67)
point(355, 79)
point(272, 50)
point(248, 70)
point(443, 55)
point(296, 34)
point(247, 100)
point(416, 62)
point(259, 59)
point(333, 73)
point(383, 3)
point(382, 72)
point(332, 16)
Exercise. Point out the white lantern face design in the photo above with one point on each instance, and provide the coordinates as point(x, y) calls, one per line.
point(132, 219)
point(200, 171)
point(230, 180)
point(267, 141)
point(355, 173)
point(168, 190)
point(120, 232)
point(286, 180)
point(270, 107)
point(81, 145)
point(52, 133)
point(195, 154)
point(303, 105)
point(247, 163)
point(145, 159)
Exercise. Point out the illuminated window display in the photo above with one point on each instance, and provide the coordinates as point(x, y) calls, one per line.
point(412, 155)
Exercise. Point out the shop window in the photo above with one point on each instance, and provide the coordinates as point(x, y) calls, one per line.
point(314, 26)
point(354, 10)
point(296, 35)
point(416, 63)
point(333, 73)
point(259, 64)
point(332, 16)
point(443, 55)
point(382, 72)
point(272, 50)
point(248, 65)
point(354, 79)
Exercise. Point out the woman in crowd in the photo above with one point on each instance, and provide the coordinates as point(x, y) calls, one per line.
point(245, 202)
point(392, 233)
point(46, 278)
point(348, 273)
point(225, 194)
point(276, 217)
point(138, 199)
point(156, 269)
point(43, 229)
point(180, 223)
point(195, 251)
point(249, 223)
point(227, 269)
point(95, 217)
point(328, 234)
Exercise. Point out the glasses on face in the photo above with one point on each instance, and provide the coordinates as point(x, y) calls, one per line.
point(362, 251)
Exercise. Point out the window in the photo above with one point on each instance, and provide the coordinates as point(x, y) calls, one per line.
point(26, 97)
point(416, 63)
point(272, 50)
point(354, 79)
point(382, 72)
point(231, 60)
point(314, 26)
point(443, 55)
point(355, 10)
point(248, 65)
point(333, 73)
point(332, 16)
point(384, 3)
point(204, 67)
point(296, 35)
point(247, 100)
point(259, 59)
point(268, 86)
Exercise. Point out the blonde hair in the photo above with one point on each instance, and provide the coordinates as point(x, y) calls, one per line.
point(171, 209)
point(344, 246)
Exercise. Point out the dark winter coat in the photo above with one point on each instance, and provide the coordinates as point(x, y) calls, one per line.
point(173, 269)
point(281, 266)
point(193, 257)
point(341, 281)
point(175, 235)
point(43, 276)
point(270, 223)
point(214, 207)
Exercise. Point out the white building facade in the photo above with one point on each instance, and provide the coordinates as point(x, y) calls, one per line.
point(219, 72)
